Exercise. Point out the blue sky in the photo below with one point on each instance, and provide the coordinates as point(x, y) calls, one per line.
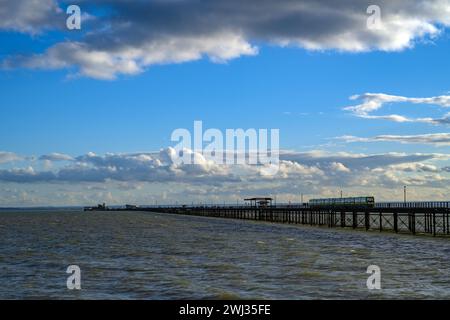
point(73, 108)
point(138, 113)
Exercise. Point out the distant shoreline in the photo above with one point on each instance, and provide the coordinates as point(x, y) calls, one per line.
point(42, 208)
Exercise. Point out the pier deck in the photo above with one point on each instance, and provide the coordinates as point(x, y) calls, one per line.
point(432, 218)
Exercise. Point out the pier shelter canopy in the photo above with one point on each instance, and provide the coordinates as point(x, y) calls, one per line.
point(259, 202)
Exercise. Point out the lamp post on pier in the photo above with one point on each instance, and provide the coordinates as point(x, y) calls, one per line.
point(404, 194)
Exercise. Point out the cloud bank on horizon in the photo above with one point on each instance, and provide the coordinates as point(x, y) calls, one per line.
point(314, 172)
point(126, 37)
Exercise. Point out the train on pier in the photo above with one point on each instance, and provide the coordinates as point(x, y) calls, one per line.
point(368, 202)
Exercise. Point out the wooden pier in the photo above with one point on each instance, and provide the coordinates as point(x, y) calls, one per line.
point(431, 218)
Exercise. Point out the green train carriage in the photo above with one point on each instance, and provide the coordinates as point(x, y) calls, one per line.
point(343, 202)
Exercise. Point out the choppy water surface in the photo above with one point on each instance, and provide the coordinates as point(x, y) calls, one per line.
point(133, 255)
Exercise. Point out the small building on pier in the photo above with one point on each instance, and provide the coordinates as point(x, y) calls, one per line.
point(259, 202)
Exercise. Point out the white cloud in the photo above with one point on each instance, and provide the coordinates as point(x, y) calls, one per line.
point(106, 65)
point(416, 167)
point(141, 34)
point(339, 167)
point(56, 157)
point(30, 16)
point(375, 101)
point(8, 157)
point(154, 167)
point(147, 177)
point(438, 139)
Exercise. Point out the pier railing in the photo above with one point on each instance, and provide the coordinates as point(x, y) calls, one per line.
point(415, 204)
point(382, 205)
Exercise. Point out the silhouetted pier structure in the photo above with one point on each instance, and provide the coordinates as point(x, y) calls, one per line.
point(431, 218)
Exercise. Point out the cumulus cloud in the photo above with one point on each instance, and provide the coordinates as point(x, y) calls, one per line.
point(339, 167)
point(8, 157)
point(416, 167)
point(56, 157)
point(355, 161)
point(138, 177)
point(139, 34)
point(26, 175)
point(30, 16)
point(316, 167)
point(439, 139)
point(125, 168)
point(105, 64)
point(374, 101)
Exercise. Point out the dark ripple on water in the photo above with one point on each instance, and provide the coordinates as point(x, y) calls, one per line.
point(153, 256)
